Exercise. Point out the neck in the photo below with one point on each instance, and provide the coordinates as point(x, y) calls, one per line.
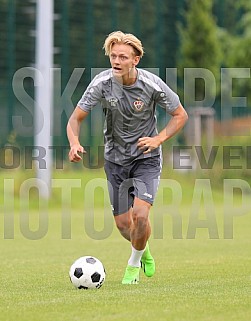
point(130, 78)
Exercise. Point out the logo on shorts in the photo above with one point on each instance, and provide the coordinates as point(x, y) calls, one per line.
point(148, 195)
point(138, 105)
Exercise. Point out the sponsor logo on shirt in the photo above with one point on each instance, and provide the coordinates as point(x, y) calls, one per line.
point(113, 101)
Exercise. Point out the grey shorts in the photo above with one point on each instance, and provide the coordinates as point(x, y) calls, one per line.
point(140, 179)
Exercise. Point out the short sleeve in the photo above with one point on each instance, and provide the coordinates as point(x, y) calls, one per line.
point(166, 97)
point(91, 96)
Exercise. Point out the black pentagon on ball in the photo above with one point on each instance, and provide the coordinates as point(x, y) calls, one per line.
point(95, 277)
point(100, 283)
point(78, 272)
point(90, 260)
point(81, 287)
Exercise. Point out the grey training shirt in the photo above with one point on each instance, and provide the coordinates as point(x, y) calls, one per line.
point(129, 112)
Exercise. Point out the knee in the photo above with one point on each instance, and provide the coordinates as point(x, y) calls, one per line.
point(140, 218)
point(122, 225)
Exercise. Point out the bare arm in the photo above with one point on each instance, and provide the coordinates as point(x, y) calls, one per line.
point(73, 130)
point(178, 120)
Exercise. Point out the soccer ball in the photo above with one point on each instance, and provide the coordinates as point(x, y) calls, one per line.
point(87, 272)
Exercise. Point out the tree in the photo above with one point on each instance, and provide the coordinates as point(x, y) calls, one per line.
point(237, 48)
point(200, 47)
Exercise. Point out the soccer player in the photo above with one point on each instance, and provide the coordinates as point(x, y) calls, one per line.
point(133, 162)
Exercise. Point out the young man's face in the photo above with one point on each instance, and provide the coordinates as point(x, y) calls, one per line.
point(123, 59)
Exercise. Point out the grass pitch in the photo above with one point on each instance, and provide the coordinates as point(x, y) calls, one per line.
point(197, 279)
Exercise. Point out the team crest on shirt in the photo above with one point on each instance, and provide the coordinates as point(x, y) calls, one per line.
point(138, 105)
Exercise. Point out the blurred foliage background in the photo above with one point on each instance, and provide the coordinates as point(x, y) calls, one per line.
point(178, 34)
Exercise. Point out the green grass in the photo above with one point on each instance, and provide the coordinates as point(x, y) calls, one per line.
point(197, 279)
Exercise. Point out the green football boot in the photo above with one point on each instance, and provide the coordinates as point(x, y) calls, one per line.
point(131, 275)
point(147, 262)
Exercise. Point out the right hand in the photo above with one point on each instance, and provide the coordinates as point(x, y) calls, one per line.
point(74, 153)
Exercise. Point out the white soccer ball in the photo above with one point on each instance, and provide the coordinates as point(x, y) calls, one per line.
point(87, 272)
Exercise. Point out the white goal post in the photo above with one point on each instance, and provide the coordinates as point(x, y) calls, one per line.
point(43, 126)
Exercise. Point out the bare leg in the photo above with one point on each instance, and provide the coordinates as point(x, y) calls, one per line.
point(141, 228)
point(134, 225)
point(124, 222)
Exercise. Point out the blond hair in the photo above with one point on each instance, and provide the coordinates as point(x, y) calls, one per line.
point(124, 38)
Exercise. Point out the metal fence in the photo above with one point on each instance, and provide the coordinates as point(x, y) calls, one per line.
point(80, 27)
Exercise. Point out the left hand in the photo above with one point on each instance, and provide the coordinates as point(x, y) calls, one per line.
point(149, 143)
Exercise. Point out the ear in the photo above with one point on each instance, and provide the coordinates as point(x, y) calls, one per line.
point(136, 60)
